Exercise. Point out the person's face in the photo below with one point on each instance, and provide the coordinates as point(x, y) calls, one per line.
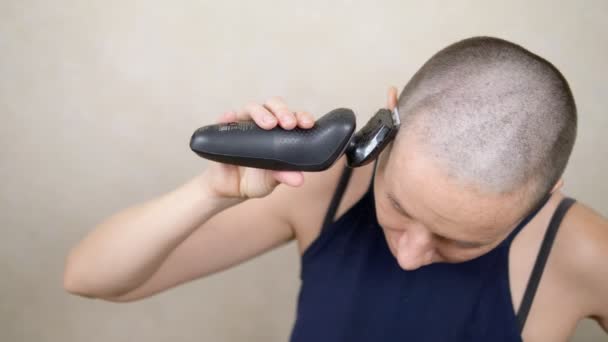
point(428, 217)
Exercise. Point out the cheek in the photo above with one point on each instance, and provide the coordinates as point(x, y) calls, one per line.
point(392, 238)
point(392, 229)
point(389, 228)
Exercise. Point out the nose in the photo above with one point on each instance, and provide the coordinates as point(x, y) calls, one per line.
point(415, 249)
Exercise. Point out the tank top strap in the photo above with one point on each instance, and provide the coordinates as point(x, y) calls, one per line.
point(337, 197)
point(339, 193)
point(541, 260)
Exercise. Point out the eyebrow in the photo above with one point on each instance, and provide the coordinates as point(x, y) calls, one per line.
point(403, 212)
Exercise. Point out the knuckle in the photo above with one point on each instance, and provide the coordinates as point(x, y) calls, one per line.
point(255, 110)
point(304, 116)
point(276, 102)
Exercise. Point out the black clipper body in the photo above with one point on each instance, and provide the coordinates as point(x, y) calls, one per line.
point(314, 149)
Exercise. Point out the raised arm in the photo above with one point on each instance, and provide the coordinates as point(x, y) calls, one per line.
point(226, 215)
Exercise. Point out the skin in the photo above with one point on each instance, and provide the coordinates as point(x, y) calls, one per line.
point(437, 218)
point(167, 248)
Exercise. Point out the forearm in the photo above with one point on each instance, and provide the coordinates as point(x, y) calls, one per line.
point(124, 250)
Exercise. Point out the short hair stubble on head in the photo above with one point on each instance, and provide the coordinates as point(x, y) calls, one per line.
point(493, 115)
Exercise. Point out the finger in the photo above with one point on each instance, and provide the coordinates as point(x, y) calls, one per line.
point(392, 97)
point(226, 117)
point(291, 178)
point(305, 119)
point(277, 106)
point(259, 114)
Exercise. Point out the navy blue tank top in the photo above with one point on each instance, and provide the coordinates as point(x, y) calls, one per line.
point(354, 290)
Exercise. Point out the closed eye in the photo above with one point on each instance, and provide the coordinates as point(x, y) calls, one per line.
point(398, 206)
point(454, 242)
point(460, 243)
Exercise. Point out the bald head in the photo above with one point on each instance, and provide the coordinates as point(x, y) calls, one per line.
point(492, 115)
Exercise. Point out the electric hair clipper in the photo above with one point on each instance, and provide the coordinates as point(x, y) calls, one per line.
point(314, 149)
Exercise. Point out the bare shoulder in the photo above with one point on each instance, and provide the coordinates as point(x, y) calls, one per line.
point(309, 202)
point(586, 233)
point(583, 253)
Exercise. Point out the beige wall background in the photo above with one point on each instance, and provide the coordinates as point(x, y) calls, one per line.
point(98, 100)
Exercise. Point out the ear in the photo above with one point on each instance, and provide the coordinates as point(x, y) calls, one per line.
point(558, 185)
point(391, 98)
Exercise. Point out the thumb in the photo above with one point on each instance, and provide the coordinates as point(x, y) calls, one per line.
point(291, 178)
